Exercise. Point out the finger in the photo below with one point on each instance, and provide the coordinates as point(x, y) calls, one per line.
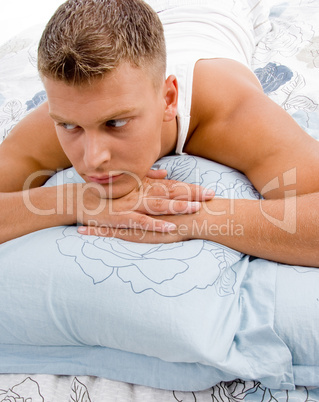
point(134, 220)
point(131, 234)
point(145, 236)
point(157, 174)
point(173, 189)
point(193, 192)
point(163, 206)
point(96, 231)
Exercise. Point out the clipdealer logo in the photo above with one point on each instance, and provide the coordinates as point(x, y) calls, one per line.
point(289, 221)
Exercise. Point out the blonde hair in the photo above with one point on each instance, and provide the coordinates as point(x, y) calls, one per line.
point(86, 39)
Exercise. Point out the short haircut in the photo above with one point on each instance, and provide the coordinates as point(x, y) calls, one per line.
point(86, 39)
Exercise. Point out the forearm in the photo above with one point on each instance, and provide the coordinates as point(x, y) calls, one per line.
point(285, 230)
point(35, 209)
point(31, 210)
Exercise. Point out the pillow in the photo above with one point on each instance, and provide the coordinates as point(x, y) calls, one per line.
point(195, 310)
point(21, 89)
point(297, 317)
point(56, 311)
point(251, 15)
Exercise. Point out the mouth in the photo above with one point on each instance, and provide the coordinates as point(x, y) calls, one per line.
point(106, 179)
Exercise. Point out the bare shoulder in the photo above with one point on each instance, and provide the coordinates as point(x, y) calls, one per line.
point(31, 146)
point(212, 69)
point(236, 124)
point(218, 85)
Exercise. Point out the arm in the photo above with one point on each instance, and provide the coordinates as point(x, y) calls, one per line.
point(239, 126)
point(244, 225)
point(23, 153)
point(27, 211)
point(32, 153)
point(31, 146)
point(276, 230)
point(254, 135)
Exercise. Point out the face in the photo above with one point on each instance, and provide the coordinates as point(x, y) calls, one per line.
point(113, 130)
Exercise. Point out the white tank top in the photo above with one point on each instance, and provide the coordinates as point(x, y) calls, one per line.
point(206, 29)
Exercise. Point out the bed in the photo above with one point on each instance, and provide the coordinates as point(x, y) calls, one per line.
point(239, 342)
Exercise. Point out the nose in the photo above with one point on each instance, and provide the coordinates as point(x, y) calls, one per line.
point(96, 151)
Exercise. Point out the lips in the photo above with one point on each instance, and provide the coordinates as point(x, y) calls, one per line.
point(104, 179)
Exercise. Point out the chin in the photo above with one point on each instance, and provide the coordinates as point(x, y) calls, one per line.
point(117, 190)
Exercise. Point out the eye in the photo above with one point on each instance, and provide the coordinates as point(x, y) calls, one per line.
point(118, 123)
point(67, 126)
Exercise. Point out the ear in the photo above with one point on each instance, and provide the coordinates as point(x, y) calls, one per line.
point(170, 98)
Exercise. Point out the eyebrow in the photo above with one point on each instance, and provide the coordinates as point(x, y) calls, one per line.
point(114, 116)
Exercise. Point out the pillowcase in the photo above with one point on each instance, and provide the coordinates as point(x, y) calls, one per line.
point(21, 89)
point(195, 309)
point(65, 296)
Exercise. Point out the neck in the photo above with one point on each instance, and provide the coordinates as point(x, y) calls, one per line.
point(169, 137)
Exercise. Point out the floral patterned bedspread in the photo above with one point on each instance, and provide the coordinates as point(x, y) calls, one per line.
point(286, 62)
point(43, 388)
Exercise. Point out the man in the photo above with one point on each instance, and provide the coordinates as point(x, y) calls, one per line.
point(111, 113)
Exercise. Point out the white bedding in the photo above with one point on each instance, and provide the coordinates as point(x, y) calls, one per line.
point(44, 388)
point(287, 63)
point(18, 15)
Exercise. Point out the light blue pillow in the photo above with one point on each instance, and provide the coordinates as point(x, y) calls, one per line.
point(297, 319)
point(181, 316)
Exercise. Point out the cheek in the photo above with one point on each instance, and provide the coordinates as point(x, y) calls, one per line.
point(71, 147)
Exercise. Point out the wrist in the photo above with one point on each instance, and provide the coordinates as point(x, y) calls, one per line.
point(61, 203)
point(216, 221)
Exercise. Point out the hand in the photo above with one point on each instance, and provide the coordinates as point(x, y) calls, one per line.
point(180, 230)
point(139, 208)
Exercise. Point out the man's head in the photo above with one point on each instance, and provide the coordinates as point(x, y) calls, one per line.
point(103, 66)
point(86, 39)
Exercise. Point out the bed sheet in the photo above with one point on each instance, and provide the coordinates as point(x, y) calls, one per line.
point(286, 62)
point(43, 388)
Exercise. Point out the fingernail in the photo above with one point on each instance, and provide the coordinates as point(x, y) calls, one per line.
point(195, 204)
point(82, 229)
point(209, 193)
